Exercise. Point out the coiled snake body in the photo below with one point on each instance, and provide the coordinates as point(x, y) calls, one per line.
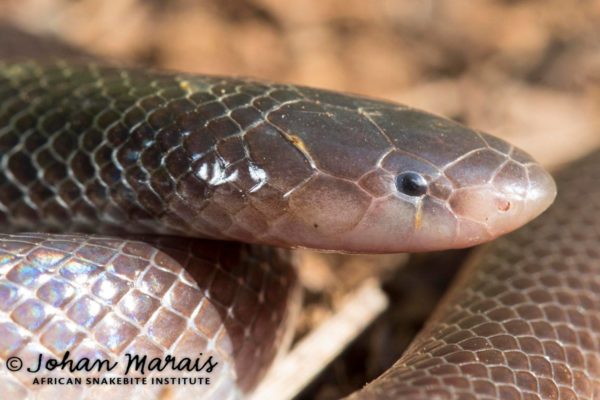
point(112, 150)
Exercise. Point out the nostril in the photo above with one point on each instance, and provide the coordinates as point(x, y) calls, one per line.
point(504, 205)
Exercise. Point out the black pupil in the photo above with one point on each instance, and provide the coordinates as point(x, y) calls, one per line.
point(411, 184)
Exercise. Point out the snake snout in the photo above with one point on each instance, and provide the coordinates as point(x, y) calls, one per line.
point(541, 192)
point(500, 197)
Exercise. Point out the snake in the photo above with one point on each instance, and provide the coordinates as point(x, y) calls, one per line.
point(151, 213)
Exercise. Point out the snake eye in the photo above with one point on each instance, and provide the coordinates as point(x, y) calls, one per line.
point(411, 184)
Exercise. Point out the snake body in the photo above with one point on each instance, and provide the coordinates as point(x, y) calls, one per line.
point(90, 148)
point(100, 298)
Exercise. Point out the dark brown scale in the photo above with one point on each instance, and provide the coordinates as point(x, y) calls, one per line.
point(246, 116)
point(22, 168)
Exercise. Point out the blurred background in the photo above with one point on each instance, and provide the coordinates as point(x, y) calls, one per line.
point(528, 71)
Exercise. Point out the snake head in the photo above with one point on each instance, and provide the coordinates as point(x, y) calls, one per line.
point(387, 178)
